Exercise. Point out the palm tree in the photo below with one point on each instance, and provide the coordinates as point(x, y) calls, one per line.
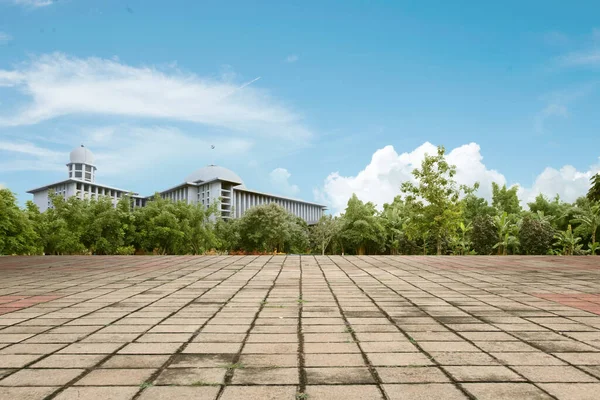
point(589, 217)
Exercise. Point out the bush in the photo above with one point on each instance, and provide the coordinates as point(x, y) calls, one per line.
point(125, 250)
point(484, 234)
point(535, 236)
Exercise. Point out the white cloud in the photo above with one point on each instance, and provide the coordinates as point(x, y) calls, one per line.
point(292, 58)
point(567, 182)
point(280, 180)
point(34, 3)
point(58, 85)
point(5, 38)
point(29, 157)
point(381, 179)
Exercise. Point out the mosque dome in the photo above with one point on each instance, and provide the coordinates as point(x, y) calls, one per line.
point(82, 155)
point(212, 172)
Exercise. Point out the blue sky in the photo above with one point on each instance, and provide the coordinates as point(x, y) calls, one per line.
point(303, 99)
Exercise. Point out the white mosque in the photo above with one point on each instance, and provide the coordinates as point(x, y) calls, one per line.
point(206, 185)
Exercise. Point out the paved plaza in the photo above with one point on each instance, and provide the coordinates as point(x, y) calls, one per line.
point(277, 327)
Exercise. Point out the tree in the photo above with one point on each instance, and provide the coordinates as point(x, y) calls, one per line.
point(567, 241)
point(589, 218)
point(394, 216)
point(505, 200)
point(270, 227)
point(362, 228)
point(324, 231)
point(474, 206)
point(434, 201)
point(594, 192)
point(17, 235)
point(536, 235)
point(484, 234)
point(461, 242)
point(557, 212)
point(507, 233)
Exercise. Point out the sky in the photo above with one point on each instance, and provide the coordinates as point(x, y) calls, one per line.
point(312, 100)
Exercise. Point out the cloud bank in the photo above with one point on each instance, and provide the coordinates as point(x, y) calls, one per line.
point(380, 181)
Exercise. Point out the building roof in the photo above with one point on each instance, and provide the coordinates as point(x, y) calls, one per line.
point(84, 182)
point(82, 155)
point(244, 189)
point(213, 172)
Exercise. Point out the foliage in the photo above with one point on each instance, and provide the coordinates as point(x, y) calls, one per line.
point(324, 232)
point(484, 234)
point(507, 231)
point(505, 200)
point(17, 235)
point(362, 230)
point(588, 216)
point(434, 202)
point(594, 192)
point(568, 242)
point(536, 235)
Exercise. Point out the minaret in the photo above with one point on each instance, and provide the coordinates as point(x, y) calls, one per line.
point(81, 165)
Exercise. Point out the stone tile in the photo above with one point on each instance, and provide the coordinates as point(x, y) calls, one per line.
point(428, 391)
point(399, 359)
point(191, 376)
point(411, 375)
point(270, 348)
point(554, 374)
point(343, 392)
point(505, 391)
point(211, 348)
point(262, 376)
point(538, 358)
point(91, 348)
point(448, 347)
point(259, 393)
point(573, 391)
point(483, 373)
point(180, 393)
point(337, 360)
point(150, 348)
point(26, 393)
point(269, 360)
point(104, 393)
point(346, 375)
point(17, 360)
point(69, 361)
point(135, 361)
point(41, 377)
point(116, 377)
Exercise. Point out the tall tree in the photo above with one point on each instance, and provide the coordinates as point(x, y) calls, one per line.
point(594, 192)
point(324, 232)
point(434, 202)
point(505, 200)
point(362, 228)
point(17, 235)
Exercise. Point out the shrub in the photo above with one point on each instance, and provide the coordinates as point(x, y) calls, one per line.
point(484, 234)
point(535, 236)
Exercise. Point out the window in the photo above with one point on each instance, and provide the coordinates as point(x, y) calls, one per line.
point(88, 168)
point(88, 176)
point(77, 174)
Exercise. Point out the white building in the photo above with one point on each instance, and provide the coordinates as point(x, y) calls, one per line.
point(206, 185)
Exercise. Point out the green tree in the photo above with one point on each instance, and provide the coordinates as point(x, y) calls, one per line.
point(507, 233)
point(474, 206)
point(17, 235)
point(589, 218)
point(394, 216)
point(324, 231)
point(484, 234)
point(158, 228)
point(434, 202)
point(362, 227)
point(567, 241)
point(505, 200)
point(536, 234)
point(594, 192)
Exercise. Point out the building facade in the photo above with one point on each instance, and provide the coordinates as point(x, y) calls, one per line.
point(205, 186)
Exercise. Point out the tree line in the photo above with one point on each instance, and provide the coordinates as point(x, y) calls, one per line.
point(433, 215)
